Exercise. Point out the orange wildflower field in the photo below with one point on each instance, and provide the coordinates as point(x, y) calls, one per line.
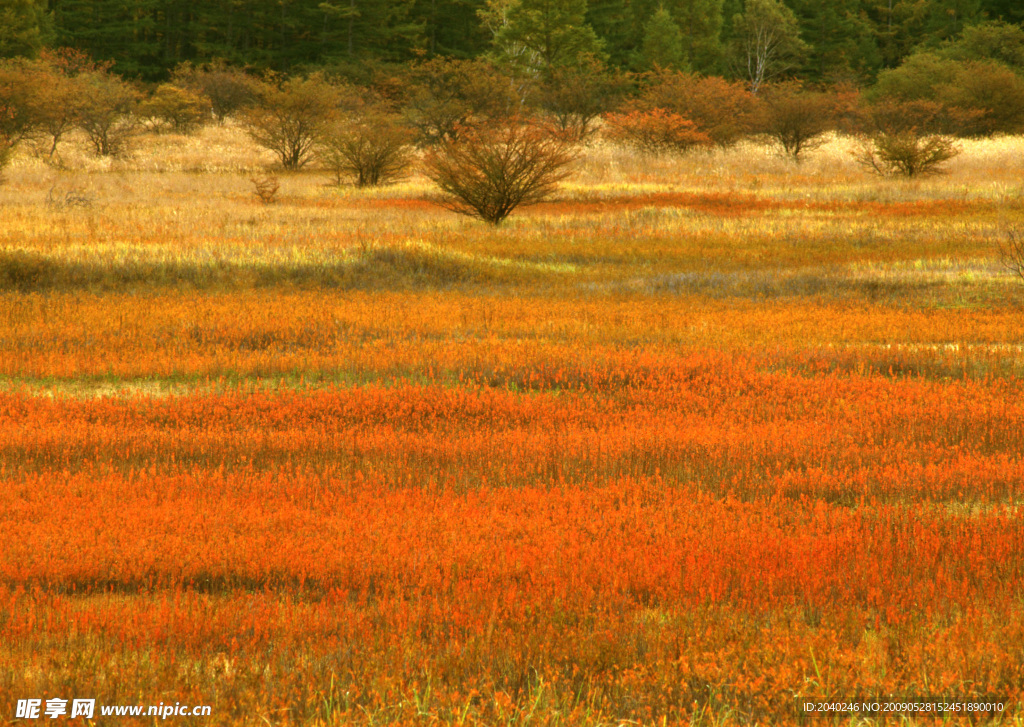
point(703, 441)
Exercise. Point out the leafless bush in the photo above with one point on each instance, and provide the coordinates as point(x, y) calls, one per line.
point(488, 172)
point(292, 117)
point(61, 198)
point(906, 153)
point(1011, 252)
point(265, 188)
point(374, 149)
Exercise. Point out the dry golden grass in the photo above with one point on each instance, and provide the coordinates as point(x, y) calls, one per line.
point(654, 452)
point(181, 211)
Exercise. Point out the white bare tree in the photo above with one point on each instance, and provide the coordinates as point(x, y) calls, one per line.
point(766, 42)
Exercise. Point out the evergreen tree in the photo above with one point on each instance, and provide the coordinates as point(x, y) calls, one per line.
point(1011, 11)
point(841, 42)
point(948, 18)
point(663, 42)
point(538, 36)
point(898, 26)
point(25, 27)
point(701, 23)
point(451, 28)
point(612, 20)
point(115, 30)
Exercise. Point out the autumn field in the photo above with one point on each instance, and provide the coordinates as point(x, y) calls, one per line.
point(699, 442)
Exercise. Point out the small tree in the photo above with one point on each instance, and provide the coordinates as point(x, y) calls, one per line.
point(59, 79)
point(723, 110)
point(176, 108)
point(448, 94)
point(55, 108)
point(766, 41)
point(106, 113)
point(6, 152)
point(655, 132)
point(906, 153)
point(976, 98)
point(374, 149)
point(25, 27)
point(17, 87)
point(228, 89)
point(575, 97)
point(796, 119)
point(534, 37)
point(1011, 252)
point(663, 42)
point(488, 172)
point(292, 117)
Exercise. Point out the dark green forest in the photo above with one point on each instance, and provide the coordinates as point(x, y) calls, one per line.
point(822, 41)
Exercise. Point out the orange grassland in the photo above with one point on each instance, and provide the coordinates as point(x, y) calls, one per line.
point(698, 442)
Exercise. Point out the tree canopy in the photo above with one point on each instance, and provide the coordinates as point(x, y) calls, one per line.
point(826, 40)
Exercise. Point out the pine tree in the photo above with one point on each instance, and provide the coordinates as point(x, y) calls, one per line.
point(116, 30)
point(663, 42)
point(1010, 11)
point(948, 18)
point(701, 23)
point(537, 36)
point(612, 20)
point(898, 27)
point(840, 39)
point(25, 27)
point(450, 28)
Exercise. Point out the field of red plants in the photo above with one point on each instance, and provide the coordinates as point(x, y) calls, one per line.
point(660, 455)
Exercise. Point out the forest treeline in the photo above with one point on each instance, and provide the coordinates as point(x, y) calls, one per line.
point(824, 40)
point(543, 77)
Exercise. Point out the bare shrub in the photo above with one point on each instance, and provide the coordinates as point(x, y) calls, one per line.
point(655, 132)
point(375, 148)
point(228, 89)
point(265, 188)
point(906, 153)
point(797, 119)
point(106, 113)
point(488, 172)
point(907, 138)
point(61, 198)
point(177, 109)
point(1011, 252)
point(292, 117)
